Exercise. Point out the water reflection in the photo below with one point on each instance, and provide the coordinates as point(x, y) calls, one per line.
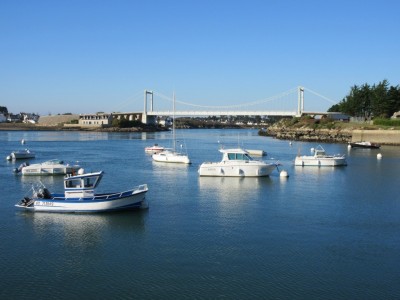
point(233, 189)
point(317, 170)
point(85, 230)
point(174, 169)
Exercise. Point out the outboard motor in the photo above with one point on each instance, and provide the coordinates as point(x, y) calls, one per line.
point(46, 194)
point(21, 166)
point(43, 193)
point(25, 201)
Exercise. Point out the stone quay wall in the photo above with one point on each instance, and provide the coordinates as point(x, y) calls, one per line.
point(383, 137)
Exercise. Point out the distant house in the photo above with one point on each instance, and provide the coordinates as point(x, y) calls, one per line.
point(96, 120)
point(30, 118)
point(14, 118)
point(3, 118)
point(336, 116)
point(165, 121)
point(339, 117)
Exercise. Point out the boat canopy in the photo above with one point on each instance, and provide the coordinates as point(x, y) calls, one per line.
point(84, 181)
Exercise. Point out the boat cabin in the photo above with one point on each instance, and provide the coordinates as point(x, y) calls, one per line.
point(319, 153)
point(236, 154)
point(82, 185)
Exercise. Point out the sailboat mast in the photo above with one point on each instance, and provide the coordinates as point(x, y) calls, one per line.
point(173, 122)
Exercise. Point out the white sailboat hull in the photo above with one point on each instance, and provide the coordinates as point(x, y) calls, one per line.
point(171, 157)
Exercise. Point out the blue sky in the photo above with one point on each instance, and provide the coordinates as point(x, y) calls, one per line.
point(85, 56)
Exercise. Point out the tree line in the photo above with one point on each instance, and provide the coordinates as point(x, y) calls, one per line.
point(376, 101)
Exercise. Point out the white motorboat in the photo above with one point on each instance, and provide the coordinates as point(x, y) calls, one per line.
point(172, 155)
point(50, 167)
point(21, 154)
point(236, 163)
point(79, 196)
point(320, 159)
point(154, 149)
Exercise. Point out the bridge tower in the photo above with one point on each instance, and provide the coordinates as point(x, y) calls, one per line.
point(144, 116)
point(300, 99)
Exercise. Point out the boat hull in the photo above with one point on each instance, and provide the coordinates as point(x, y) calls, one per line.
point(51, 167)
point(365, 145)
point(235, 169)
point(171, 157)
point(21, 155)
point(320, 162)
point(133, 199)
point(48, 171)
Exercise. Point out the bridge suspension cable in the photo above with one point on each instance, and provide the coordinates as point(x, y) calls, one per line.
point(281, 95)
point(319, 95)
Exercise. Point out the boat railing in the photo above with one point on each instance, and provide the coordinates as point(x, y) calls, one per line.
point(140, 188)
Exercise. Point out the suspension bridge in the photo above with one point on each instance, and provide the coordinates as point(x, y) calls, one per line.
point(287, 104)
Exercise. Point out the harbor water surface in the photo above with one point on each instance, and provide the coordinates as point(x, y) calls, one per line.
point(321, 233)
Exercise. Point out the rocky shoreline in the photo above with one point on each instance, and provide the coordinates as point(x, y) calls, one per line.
point(310, 135)
point(344, 136)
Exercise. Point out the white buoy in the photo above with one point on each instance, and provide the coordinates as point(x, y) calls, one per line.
point(81, 171)
point(349, 146)
point(23, 142)
point(283, 173)
point(379, 156)
point(312, 150)
point(290, 143)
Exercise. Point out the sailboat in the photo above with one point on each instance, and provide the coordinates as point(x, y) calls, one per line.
point(172, 155)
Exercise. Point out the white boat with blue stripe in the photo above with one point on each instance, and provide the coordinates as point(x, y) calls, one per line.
point(79, 196)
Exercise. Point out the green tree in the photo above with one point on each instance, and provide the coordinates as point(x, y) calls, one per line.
point(3, 110)
point(378, 100)
point(393, 99)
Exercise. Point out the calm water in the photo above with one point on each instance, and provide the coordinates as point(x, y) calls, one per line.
point(322, 233)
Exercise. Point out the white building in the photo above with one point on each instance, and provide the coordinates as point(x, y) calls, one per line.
point(96, 120)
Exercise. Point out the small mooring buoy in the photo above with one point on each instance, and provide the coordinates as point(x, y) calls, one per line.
point(379, 156)
point(22, 142)
point(283, 173)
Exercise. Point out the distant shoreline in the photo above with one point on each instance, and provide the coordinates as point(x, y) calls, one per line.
point(36, 127)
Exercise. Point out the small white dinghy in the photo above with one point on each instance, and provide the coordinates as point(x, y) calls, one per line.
point(79, 196)
point(21, 154)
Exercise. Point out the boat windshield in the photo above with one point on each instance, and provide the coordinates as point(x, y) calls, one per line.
point(82, 182)
point(239, 156)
